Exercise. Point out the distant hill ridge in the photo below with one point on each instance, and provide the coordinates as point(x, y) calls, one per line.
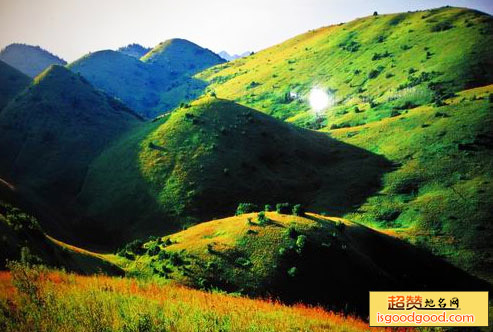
point(30, 60)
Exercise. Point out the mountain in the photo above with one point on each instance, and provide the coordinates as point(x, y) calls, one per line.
point(124, 77)
point(205, 158)
point(12, 82)
point(155, 85)
point(51, 132)
point(226, 56)
point(400, 91)
point(181, 56)
point(282, 256)
point(30, 60)
point(134, 50)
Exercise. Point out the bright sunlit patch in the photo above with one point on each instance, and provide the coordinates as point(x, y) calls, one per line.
point(319, 99)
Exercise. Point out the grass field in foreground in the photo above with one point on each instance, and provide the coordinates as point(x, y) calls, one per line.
point(41, 300)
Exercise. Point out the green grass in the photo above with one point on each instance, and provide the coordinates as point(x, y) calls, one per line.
point(51, 132)
point(389, 76)
point(324, 58)
point(281, 255)
point(205, 158)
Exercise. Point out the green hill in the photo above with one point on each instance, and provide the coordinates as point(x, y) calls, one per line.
point(158, 83)
point(123, 77)
point(312, 259)
point(204, 159)
point(181, 56)
point(30, 60)
point(12, 82)
point(375, 63)
point(51, 132)
point(412, 87)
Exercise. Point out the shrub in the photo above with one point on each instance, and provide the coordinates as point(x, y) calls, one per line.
point(301, 242)
point(261, 218)
point(282, 208)
point(246, 208)
point(291, 232)
point(153, 249)
point(268, 208)
point(241, 261)
point(373, 73)
point(176, 259)
point(357, 110)
point(298, 210)
point(292, 272)
point(442, 26)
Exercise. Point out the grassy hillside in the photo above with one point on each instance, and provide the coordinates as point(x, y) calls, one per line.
point(412, 87)
point(30, 60)
point(51, 132)
point(100, 303)
point(281, 255)
point(374, 63)
point(12, 82)
point(158, 83)
point(205, 158)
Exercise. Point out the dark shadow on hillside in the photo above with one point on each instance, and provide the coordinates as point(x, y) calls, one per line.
point(360, 260)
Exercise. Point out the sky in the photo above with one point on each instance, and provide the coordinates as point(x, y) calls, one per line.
point(72, 28)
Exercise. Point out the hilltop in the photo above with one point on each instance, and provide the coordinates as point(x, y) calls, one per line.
point(135, 50)
point(30, 60)
point(401, 89)
point(374, 63)
point(156, 83)
point(50, 133)
point(282, 255)
point(206, 157)
point(181, 56)
point(12, 82)
point(124, 77)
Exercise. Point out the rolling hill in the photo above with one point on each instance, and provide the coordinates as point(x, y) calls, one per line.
point(400, 91)
point(124, 77)
point(51, 132)
point(155, 85)
point(12, 82)
point(135, 50)
point(313, 259)
point(30, 60)
point(181, 56)
point(205, 158)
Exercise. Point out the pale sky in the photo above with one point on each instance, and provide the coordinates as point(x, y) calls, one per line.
point(72, 28)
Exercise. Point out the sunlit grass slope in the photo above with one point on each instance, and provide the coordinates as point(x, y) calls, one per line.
point(12, 82)
point(51, 132)
point(373, 63)
point(313, 259)
point(205, 158)
point(441, 195)
point(55, 301)
point(412, 87)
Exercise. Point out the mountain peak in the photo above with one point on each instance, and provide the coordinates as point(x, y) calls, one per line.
point(28, 59)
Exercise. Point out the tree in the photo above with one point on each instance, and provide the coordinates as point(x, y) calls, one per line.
point(246, 208)
point(298, 210)
point(261, 218)
point(292, 272)
point(375, 13)
point(282, 208)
